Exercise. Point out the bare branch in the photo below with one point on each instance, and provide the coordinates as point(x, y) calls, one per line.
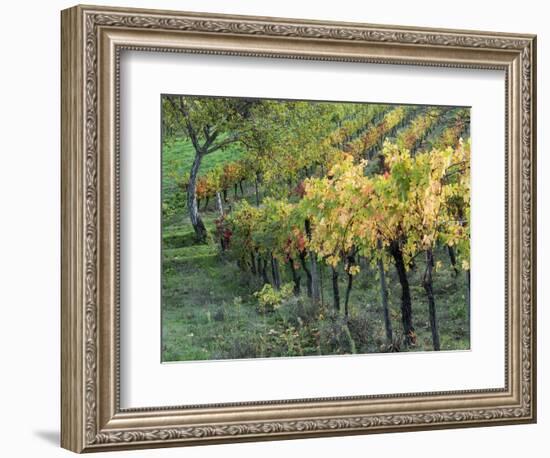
point(182, 108)
point(210, 138)
point(222, 144)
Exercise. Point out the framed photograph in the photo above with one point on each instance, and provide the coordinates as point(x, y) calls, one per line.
point(278, 228)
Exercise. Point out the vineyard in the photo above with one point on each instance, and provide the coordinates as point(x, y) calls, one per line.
point(296, 228)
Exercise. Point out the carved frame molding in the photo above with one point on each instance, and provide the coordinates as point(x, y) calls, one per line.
point(92, 39)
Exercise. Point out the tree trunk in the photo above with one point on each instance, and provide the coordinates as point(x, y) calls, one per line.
point(253, 263)
point(406, 307)
point(348, 292)
point(256, 190)
point(205, 204)
point(321, 287)
point(263, 268)
point(384, 294)
point(335, 289)
point(452, 257)
point(278, 272)
point(295, 277)
point(219, 207)
point(275, 272)
point(196, 220)
point(219, 204)
point(225, 195)
point(241, 186)
point(350, 262)
point(308, 274)
point(235, 189)
point(427, 283)
point(315, 290)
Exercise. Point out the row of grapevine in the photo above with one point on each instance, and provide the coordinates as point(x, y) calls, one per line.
point(349, 134)
point(411, 136)
point(365, 145)
point(356, 121)
point(219, 180)
point(388, 218)
point(352, 122)
point(453, 126)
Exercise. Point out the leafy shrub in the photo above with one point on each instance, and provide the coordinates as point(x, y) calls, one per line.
point(270, 299)
point(292, 340)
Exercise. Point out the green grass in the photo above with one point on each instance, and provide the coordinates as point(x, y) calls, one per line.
point(178, 156)
point(197, 285)
point(178, 237)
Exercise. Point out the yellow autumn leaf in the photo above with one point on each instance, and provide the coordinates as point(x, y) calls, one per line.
point(353, 270)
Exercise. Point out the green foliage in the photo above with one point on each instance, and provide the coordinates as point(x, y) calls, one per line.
point(270, 299)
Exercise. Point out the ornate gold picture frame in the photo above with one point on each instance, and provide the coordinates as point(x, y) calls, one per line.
point(93, 39)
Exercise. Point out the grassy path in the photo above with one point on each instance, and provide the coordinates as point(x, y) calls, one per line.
point(196, 286)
